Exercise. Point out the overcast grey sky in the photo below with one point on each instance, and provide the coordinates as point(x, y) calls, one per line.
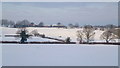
point(94, 13)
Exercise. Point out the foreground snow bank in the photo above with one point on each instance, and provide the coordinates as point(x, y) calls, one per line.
point(59, 55)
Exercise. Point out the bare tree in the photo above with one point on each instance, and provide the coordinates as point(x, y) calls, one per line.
point(76, 25)
point(89, 33)
point(58, 24)
point(11, 23)
point(23, 23)
point(68, 40)
point(70, 25)
point(35, 33)
point(108, 35)
point(117, 32)
point(41, 24)
point(23, 34)
point(80, 36)
point(5, 23)
point(110, 26)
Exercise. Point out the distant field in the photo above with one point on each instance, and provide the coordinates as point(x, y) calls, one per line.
point(60, 33)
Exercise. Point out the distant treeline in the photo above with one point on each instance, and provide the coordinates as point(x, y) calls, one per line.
point(26, 23)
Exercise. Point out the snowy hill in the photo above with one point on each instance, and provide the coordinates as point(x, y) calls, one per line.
point(60, 33)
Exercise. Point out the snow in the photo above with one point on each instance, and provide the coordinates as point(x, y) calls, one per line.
point(98, 33)
point(56, 54)
point(59, 55)
point(53, 32)
point(32, 39)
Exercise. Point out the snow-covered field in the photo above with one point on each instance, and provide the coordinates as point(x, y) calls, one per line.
point(59, 55)
point(56, 54)
point(51, 32)
point(33, 39)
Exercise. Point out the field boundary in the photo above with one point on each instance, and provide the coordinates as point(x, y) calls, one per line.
point(15, 42)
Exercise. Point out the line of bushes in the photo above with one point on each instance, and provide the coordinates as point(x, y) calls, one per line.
point(14, 42)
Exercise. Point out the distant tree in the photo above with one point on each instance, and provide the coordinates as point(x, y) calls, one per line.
point(76, 25)
point(80, 36)
point(89, 33)
point(5, 22)
point(70, 25)
point(41, 24)
point(50, 25)
point(110, 27)
point(11, 23)
point(68, 40)
point(31, 24)
point(23, 23)
point(58, 24)
point(102, 29)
